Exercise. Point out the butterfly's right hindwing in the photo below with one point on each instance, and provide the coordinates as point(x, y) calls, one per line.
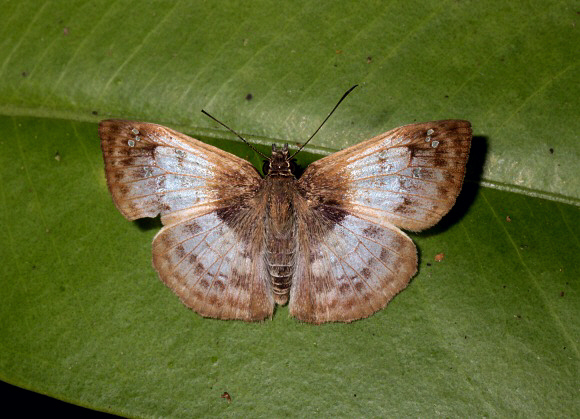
point(347, 267)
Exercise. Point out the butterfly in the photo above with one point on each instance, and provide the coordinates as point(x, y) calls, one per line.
point(329, 243)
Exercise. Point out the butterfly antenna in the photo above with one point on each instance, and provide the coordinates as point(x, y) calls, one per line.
point(318, 129)
point(239, 136)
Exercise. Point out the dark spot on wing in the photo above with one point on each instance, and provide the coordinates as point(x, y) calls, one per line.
point(439, 162)
point(180, 251)
point(449, 177)
point(199, 269)
point(442, 190)
point(385, 256)
point(192, 228)
point(148, 151)
point(349, 303)
point(405, 207)
point(425, 174)
point(399, 242)
point(332, 211)
point(372, 231)
point(219, 286)
point(344, 287)
point(124, 189)
point(178, 276)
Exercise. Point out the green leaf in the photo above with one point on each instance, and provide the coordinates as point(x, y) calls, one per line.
point(491, 330)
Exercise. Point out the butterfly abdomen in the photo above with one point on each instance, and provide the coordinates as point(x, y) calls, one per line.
point(280, 236)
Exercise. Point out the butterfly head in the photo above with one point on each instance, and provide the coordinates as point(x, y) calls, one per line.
point(279, 163)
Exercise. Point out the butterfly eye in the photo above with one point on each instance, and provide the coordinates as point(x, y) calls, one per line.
point(266, 167)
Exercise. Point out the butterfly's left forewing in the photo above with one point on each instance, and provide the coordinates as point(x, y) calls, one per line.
point(211, 245)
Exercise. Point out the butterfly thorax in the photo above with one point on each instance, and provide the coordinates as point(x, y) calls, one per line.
point(280, 223)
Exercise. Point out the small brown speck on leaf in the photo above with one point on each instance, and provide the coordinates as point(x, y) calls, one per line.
point(249, 96)
point(226, 395)
point(439, 257)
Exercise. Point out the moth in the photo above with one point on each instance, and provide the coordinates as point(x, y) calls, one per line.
point(329, 243)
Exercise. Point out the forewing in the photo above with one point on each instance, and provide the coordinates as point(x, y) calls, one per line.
point(347, 267)
point(214, 263)
point(409, 176)
point(153, 170)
